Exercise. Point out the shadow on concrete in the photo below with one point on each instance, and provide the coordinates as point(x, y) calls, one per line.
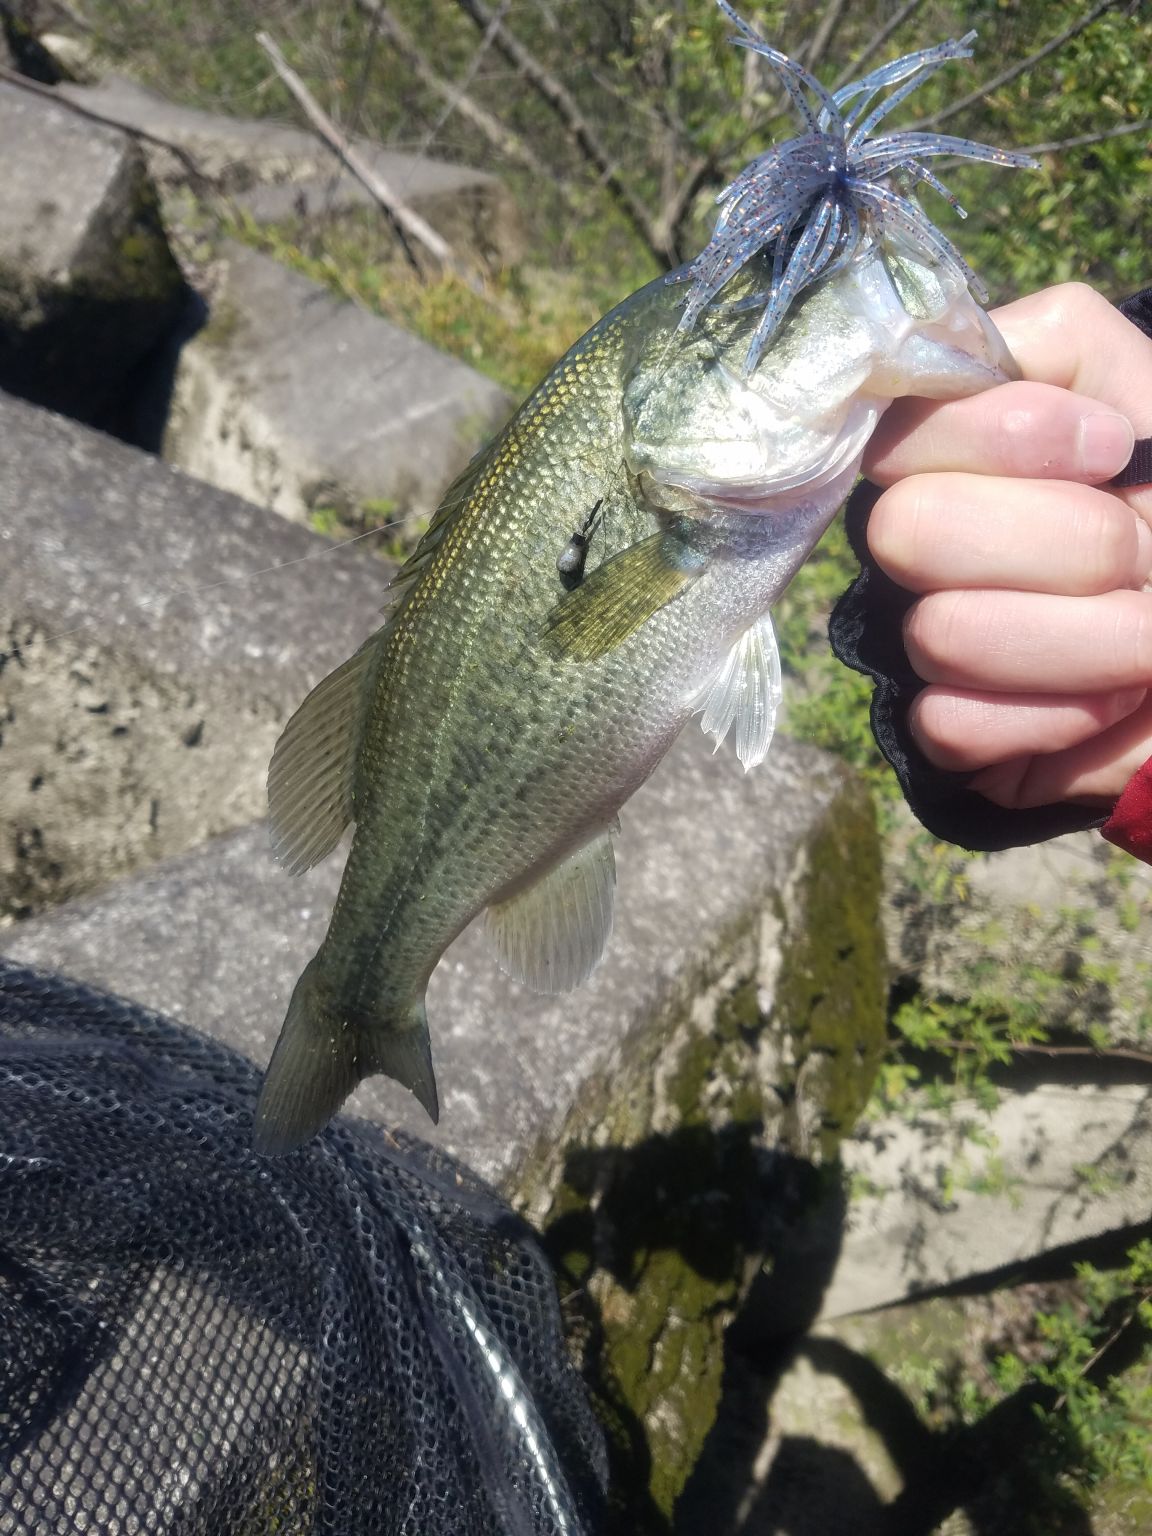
point(142, 416)
point(814, 1489)
point(725, 1205)
point(998, 1471)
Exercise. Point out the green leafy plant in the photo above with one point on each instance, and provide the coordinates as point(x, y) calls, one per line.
point(1094, 1424)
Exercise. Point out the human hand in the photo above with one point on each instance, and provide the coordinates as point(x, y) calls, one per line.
point(1032, 632)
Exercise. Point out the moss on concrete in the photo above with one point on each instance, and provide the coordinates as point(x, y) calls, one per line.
point(660, 1206)
point(831, 989)
point(126, 256)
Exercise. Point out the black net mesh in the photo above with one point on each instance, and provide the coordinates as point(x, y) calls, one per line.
point(356, 1338)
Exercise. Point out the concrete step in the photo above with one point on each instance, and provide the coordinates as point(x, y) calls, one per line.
point(88, 285)
point(296, 399)
point(470, 208)
point(146, 675)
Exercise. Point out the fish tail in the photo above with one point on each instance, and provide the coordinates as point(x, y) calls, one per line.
point(322, 1054)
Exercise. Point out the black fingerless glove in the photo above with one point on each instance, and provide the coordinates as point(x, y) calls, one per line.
point(867, 633)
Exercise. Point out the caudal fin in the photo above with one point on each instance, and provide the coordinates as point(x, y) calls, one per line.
point(322, 1054)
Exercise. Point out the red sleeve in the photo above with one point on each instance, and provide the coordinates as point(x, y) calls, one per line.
point(1130, 824)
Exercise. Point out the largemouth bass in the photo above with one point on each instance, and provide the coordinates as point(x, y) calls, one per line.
point(603, 571)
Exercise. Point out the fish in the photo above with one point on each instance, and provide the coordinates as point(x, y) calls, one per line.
point(605, 570)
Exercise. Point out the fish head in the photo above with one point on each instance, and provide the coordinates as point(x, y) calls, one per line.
point(702, 432)
point(824, 293)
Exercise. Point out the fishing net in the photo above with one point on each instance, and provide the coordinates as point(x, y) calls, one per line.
point(356, 1338)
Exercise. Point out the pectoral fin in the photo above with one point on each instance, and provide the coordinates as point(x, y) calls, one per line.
point(311, 775)
point(551, 936)
point(746, 692)
point(619, 596)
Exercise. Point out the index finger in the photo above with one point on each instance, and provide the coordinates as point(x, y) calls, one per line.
point(1035, 431)
point(1072, 337)
point(1079, 357)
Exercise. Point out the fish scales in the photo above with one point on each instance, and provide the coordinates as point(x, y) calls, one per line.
point(693, 446)
point(557, 748)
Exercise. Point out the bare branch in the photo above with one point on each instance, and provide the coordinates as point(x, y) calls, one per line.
point(406, 219)
point(504, 139)
point(856, 68)
point(579, 130)
point(830, 20)
point(1019, 69)
point(1035, 1048)
point(1138, 1298)
point(49, 93)
point(458, 87)
point(1144, 126)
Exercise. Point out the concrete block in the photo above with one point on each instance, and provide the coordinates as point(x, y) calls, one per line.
point(88, 285)
point(870, 1424)
point(1063, 928)
point(470, 208)
point(144, 676)
point(949, 1198)
point(473, 211)
point(295, 399)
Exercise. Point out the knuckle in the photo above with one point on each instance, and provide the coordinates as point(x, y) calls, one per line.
point(933, 633)
point(1075, 303)
point(1026, 427)
point(930, 725)
point(939, 719)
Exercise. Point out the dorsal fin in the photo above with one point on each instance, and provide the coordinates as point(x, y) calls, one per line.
point(313, 768)
point(456, 498)
point(311, 778)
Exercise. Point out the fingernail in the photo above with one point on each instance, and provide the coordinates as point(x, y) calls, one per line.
point(1104, 444)
point(1125, 700)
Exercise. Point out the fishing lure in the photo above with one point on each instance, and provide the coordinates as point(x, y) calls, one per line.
point(815, 198)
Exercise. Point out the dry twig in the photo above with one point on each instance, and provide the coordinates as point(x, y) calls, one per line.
point(830, 20)
point(1144, 126)
point(1008, 75)
point(1034, 1048)
point(504, 139)
point(404, 218)
point(577, 126)
point(855, 68)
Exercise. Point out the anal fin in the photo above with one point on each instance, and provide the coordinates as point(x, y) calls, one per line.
point(552, 936)
point(746, 692)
